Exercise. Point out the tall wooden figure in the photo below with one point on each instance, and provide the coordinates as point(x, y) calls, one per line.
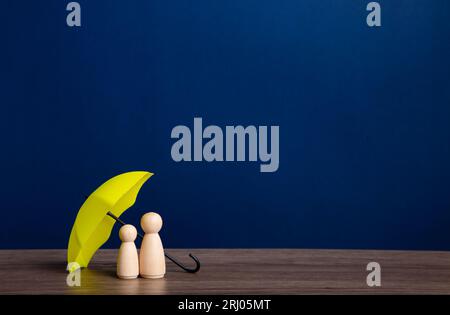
point(152, 263)
point(127, 260)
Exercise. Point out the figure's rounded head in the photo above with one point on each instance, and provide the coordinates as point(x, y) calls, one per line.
point(151, 222)
point(127, 233)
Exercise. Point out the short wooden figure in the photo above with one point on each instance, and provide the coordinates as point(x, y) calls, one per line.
point(127, 260)
point(152, 263)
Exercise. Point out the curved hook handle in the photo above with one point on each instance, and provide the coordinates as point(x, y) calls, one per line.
point(194, 270)
point(197, 262)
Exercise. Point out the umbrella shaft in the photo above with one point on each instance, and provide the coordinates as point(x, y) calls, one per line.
point(121, 222)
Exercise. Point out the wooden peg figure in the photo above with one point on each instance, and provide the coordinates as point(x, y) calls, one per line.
point(127, 260)
point(152, 263)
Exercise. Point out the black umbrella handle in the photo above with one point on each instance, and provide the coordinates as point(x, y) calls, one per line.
point(197, 262)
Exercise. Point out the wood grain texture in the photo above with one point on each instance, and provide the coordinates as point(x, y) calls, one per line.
point(234, 271)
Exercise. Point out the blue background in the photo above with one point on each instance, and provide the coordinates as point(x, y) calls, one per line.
point(364, 117)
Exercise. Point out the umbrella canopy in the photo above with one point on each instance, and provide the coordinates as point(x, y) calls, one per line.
point(93, 226)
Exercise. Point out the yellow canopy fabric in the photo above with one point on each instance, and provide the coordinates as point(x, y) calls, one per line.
point(93, 226)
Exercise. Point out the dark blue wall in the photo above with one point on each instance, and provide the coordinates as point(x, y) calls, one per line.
point(364, 116)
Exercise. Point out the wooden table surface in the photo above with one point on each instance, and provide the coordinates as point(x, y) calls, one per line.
point(235, 271)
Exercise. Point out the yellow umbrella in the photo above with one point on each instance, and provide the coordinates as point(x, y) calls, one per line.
point(100, 211)
point(95, 221)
